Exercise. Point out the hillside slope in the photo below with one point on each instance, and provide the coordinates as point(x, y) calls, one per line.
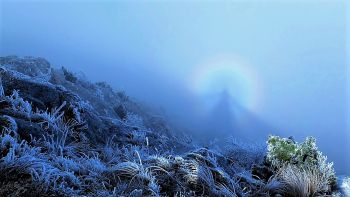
point(62, 135)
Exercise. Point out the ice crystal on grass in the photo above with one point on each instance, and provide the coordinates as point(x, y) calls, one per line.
point(19, 104)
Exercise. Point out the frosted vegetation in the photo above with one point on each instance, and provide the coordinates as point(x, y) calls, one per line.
point(64, 136)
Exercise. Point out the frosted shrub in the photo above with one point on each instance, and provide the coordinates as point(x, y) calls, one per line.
point(244, 153)
point(134, 120)
point(284, 151)
point(69, 76)
point(138, 137)
point(19, 104)
point(280, 150)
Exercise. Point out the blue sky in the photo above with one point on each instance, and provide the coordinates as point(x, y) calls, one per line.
point(153, 49)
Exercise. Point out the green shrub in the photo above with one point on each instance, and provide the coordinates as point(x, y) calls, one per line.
point(284, 151)
point(280, 150)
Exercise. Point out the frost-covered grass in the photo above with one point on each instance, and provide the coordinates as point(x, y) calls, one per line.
point(2, 92)
point(19, 104)
point(63, 162)
point(69, 174)
point(301, 169)
point(296, 181)
point(60, 165)
point(283, 151)
point(345, 185)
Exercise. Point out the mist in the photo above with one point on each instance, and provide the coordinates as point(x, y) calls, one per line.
point(246, 69)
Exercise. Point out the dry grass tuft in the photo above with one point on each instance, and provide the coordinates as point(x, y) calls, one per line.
point(294, 181)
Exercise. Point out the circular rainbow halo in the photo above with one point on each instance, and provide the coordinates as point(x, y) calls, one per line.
point(229, 74)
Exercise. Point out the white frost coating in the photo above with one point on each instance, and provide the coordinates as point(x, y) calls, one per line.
point(344, 184)
point(11, 125)
point(18, 75)
point(2, 93)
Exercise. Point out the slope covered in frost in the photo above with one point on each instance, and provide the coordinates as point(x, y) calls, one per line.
point(62, 135)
